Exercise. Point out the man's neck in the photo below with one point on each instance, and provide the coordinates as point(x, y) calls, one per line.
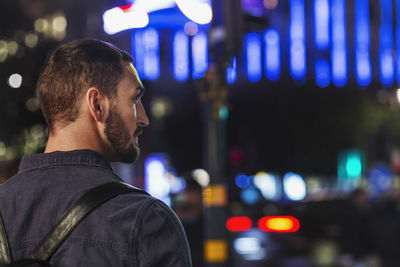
point(74, 137)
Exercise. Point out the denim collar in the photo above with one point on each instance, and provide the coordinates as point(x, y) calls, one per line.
point(57, 158)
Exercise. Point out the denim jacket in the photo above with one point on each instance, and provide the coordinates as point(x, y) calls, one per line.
point(129, 230)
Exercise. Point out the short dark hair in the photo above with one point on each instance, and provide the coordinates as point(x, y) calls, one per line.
point(73, 68)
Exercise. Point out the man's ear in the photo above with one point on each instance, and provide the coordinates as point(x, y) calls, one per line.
point(97, 104)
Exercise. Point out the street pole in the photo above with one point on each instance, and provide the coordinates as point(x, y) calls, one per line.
point(213, 92)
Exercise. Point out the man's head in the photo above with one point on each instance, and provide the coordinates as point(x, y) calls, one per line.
point(96, 81)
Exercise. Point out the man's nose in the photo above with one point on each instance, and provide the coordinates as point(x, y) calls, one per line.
point(142, 119)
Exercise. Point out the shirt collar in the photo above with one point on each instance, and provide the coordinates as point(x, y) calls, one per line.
point(75, 157)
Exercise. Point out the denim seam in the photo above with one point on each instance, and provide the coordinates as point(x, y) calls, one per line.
point(134, 240)
point(178, 229)
point(80, 165)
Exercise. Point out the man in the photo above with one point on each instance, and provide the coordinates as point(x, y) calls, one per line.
point(90, 95)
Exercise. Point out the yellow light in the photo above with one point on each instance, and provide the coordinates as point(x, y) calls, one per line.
point(41, 25)
point(215, 250)
point(59, 23)
point(215, 195)
point(3, 149)
point(32, 104)
point(12, 47)
point(3, 51)
point(31, 40)
point(280, 224)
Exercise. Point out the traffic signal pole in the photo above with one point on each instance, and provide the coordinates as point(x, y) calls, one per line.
point(215, 199)
point(213, 92)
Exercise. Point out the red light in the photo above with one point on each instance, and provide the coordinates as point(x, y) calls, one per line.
point(236, 156)
point(282, 224)
point(125, 8)
point(237, 224)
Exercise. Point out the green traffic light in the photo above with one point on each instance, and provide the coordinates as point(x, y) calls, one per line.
point(353, 166)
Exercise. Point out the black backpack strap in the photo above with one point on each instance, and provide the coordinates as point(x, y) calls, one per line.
point(5, 255)
point(74, 215)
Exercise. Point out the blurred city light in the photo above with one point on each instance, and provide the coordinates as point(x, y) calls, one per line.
point(239, 224)
point(386, 43)
point(326, 252)
point(272, 54)
point(381, 178)
point(152, 54)
point(160, 107)
point(59, 26)
point(321, 24)
point(253, 7)
point(177, 184)
point(31, 40)
point(3, 149)
point(250, 196)
point(339, 49)
point(181, 56)
point(279, 224)
point(145, 47)
point(270, 4)
point(294, 186)
point(136, 15)
point(249, 247)
point(350, 164)
point(156, 180)
point(231, 72)
point(268, 185)
point(197, 10)
point(59, 23)
point(15, 80)
point(236, 156)
point(117, 20)
point(363, 63)
point(153, 5)
point(353, 167)
point(32, 104)
point(398, 95)
point(191, 28)
point(397, 38)
point(322, 73)
point(223, 113)
point(201, 176)
point(199, 55)
point(3, 50)
point(297, 39)
point(242, 181)
point(253, 55)
point(12, 47)
point(41, 25)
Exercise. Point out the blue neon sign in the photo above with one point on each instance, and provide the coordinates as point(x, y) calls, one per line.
point(363, 63)
point(339, 48)
point(386, 44)
point(253, 55)
point(181, 56)
point(272, 54)
point(199, 55)
point(297, 39)
point(145, 47)
point(321, 24)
